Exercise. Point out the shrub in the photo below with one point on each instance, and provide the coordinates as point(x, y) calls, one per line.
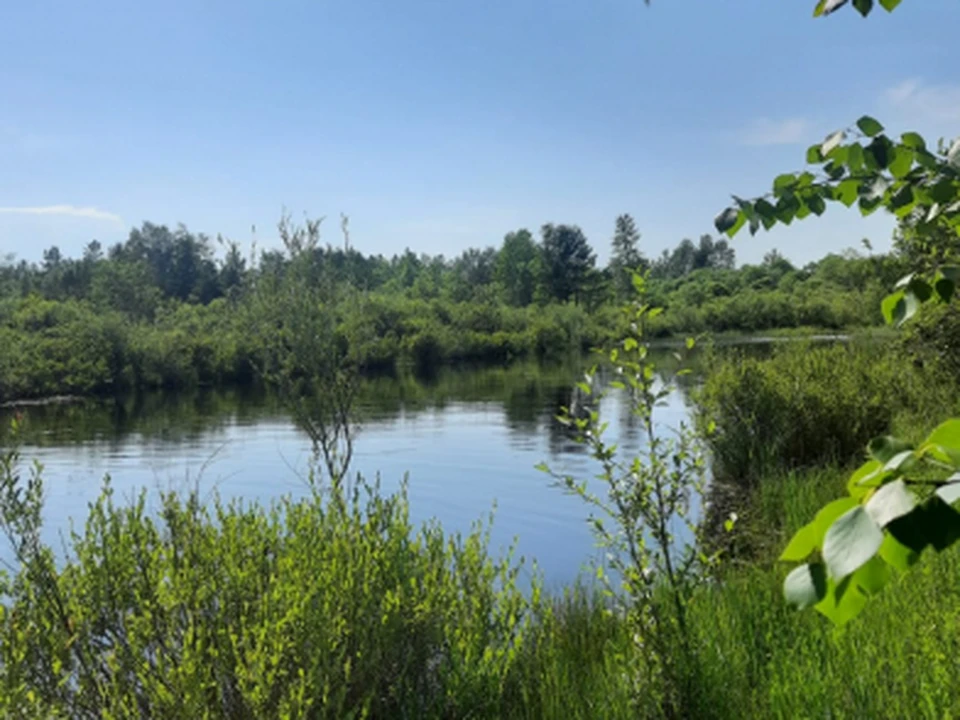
point(329, 606)
point(805, 405)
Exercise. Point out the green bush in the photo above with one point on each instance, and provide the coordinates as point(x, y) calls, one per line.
point(330, 606)
point(805, 405)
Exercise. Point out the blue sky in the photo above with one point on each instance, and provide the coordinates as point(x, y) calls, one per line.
point(443, 124)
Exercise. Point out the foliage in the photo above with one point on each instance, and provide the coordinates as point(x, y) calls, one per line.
point(919, 185)
point(804, 406)
point(567, 261)
point(647, 497)
point(883, 524)
point(331, 606)
point(625, 256)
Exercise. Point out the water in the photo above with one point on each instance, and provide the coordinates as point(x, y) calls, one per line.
point(466, 440)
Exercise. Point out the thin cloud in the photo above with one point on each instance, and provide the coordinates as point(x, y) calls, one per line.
point(922, 103)
point(90, 213)
point(765, 131)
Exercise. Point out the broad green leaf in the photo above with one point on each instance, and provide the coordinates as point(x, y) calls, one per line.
point(814, 156)
point(914, 141)
point(894, 307)
point(816, 204)
point(630, 344)
point(951, 272)
point(901, 161)
point(728, 219)
point(891, 501)
point(851, 541)
point(945, 289)
point(921, 288)
point(885, 447)
point(946, 435)
point(873, 576)
point(902, 202)
point(941, 523)
point(787, 207)
point(806, 585)
point(879, 153)
point(868, 126)
point(950, 492)
point(783, 182)
point(842, 602)
point(900, 462)
point(896, 554)
point(829, 513)
point(889, 5)
point(868, 476)
point(832, 140)
point(847, 191)
point(804, 542)
point(855, 157)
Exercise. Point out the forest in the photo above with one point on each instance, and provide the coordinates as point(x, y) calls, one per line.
point(170, 308)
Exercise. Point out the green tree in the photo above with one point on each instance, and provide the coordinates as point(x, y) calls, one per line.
point(625, 257)
point(567, 261)
point(518, 265)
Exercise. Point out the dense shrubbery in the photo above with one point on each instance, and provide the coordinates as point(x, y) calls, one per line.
point(808, 405)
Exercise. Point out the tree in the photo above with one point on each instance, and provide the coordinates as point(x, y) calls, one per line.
point(625, 257)
point(518, 264)
point(567, 261)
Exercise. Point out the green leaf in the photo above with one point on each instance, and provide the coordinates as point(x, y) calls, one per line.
point(864, 7)
point(850, 542)
point(847, 191)
point(630, 344)
point(889, 5)
point(869, 127)
point(890, 502)
point(921, 288)
point(879, 153)
point(902, 162)
point(894, 308)
point(885, 447)
point(729, 219)
point(804, 542)
point(786, 181)
point(855, 157)
point(914, 141)
point(902, 202)
point(869, 475)
point(831, 141)
point(842, 602)
point(896, 554)
point(950, 492)
point(829, 513)
point(945, 289)
point(806, 585)
point(946, 435)
point(814, 156)
point(873, 576)
point(787, 207)
point(816, 204)
point(941, 523)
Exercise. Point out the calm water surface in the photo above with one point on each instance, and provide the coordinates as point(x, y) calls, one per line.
point(466, 440)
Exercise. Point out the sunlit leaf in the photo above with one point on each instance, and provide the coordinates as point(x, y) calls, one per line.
point(804, 542)
point(851, 541)
point(806, 585)
point(890, 502)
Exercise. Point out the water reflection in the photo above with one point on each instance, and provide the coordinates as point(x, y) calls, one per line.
point(467, 438)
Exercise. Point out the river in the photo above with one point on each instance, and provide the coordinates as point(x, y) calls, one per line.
point(466, 440)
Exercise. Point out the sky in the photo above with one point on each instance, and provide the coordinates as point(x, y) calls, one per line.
point(444, 124)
